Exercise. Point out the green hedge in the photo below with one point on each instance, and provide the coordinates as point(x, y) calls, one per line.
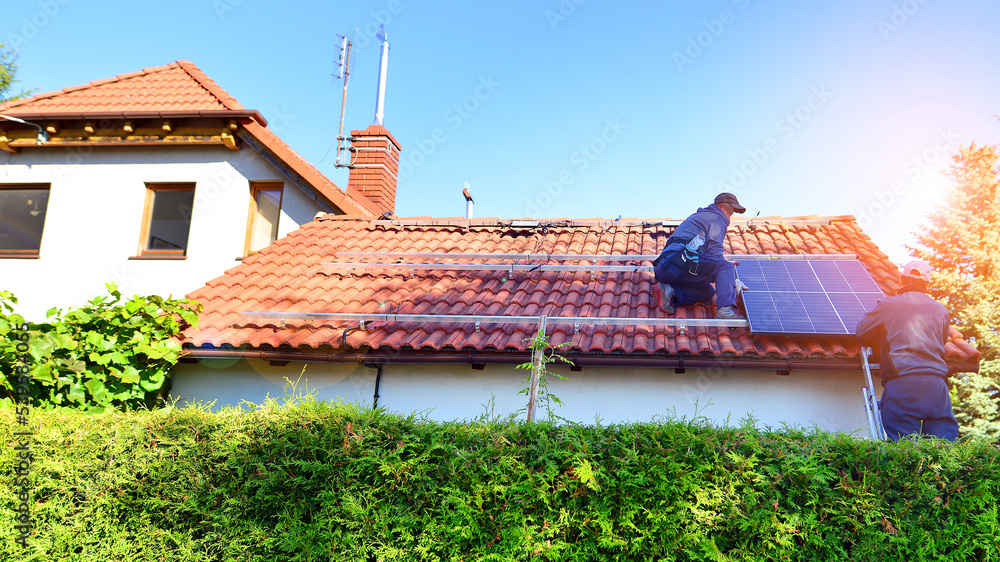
point(318, 481)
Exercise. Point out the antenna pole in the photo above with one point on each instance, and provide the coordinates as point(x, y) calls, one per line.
point(383, 68)
point(345, 47)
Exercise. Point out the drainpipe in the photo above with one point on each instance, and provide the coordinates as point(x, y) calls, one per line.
point(378, 382)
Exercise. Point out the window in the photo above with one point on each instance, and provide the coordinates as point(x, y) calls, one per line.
point(265, 210)
point(22, 218)
point(166, 220)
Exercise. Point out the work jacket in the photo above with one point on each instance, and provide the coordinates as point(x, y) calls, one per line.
point(911, 328)
point(711, 223)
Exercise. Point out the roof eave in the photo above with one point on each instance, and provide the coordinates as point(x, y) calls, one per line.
point(209, 113)
point(676, 362)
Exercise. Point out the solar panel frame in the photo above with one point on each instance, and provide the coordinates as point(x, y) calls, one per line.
point(807, 297)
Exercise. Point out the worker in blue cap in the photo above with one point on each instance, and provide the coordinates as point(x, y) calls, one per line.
point(694, 259)
point(911, 329)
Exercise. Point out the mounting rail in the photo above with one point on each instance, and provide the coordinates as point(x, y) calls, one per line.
point(481, 319)
point(511, 267)
point(514, 267)
point(581, 257)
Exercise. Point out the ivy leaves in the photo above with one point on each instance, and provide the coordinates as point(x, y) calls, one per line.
point(110, 353)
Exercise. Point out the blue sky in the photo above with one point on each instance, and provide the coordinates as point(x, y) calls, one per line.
point(586, 108)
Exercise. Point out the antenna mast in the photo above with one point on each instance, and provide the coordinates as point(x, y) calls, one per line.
point(343, 71)
point(383, 68)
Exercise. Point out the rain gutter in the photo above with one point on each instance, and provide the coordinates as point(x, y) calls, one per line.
point(678, 363)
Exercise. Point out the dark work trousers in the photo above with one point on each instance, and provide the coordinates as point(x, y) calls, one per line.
point(691, 288)
point(918, 405)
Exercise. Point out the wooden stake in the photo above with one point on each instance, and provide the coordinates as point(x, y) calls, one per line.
point(536, 371)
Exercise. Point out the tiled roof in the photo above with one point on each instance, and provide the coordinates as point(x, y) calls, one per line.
point(289, 276)
point(178, 86)
point(176, 89)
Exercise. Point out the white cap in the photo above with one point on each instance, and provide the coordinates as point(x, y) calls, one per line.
point(917, 269)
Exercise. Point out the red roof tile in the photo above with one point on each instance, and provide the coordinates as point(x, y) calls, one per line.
point(178, 86)
point(288, 276)
point(177, 89)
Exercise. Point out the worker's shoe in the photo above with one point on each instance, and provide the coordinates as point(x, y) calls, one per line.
point(728, 313)
point(666, 298)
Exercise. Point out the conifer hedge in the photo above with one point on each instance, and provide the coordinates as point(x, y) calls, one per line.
point(319, 481)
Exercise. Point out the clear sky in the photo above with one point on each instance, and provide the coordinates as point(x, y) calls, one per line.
point(586, 108)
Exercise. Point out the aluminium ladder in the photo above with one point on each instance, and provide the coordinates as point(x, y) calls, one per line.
point(875, 429)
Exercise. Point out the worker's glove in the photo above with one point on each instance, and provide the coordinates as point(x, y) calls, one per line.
point(740, 287)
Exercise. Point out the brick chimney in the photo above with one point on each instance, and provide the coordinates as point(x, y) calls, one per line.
point(374, 166)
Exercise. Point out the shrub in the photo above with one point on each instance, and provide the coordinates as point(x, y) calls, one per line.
point(319, 481)
point(111, 353)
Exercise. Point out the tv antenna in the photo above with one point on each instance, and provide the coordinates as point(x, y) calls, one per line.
point(343, 72)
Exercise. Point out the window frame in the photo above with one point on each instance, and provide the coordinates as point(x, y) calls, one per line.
point(255, 188)
point(147, 220)
point(28, 254)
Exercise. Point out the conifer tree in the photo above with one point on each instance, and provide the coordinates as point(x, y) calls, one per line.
point(961, 241)
point(8, 68)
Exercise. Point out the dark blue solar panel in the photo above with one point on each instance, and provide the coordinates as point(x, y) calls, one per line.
point(765, 317)
point(830, 276)
point(857, 276)
point(824, 317)
point(776, 276)
point(869, 300)
point(850, 309)
point(749, 272)
point(803, 276)
point(805, 296)
point(792, 313)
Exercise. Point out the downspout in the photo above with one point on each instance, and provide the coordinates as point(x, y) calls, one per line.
point(378, 382)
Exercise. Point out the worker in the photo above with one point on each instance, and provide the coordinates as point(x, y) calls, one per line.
point(911, 330)
point(693, 259)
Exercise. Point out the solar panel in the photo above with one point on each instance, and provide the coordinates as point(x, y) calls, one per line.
point(807, 297)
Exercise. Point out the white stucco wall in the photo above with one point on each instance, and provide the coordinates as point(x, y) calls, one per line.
point(831, 400)
point(95, 212)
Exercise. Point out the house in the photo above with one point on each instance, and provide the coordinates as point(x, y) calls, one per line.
point(279, 315)
point(156, 180)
